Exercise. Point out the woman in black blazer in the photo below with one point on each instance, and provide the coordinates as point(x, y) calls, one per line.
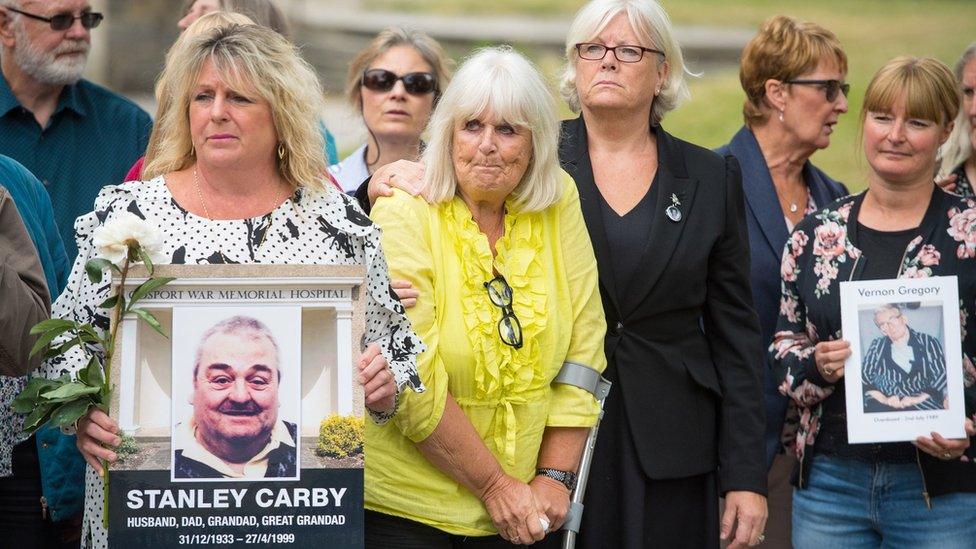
point(684, 422)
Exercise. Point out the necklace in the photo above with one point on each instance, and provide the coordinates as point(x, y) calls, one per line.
point(793, 207)
point(206, 213)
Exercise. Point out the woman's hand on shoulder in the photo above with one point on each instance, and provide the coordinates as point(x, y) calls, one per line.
point(379, 383)
point(948, 183)
point(97, 434)
point(403, 174)
point(514, 510)
point(830, 357)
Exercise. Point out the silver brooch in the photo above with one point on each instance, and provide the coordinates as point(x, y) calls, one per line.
point(672, 211)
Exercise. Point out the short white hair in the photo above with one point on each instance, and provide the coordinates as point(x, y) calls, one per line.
point(500, 81)
point(652, 26)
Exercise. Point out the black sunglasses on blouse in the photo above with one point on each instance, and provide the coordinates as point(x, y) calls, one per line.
point(509, 327)
point(830, 87)
point(382, 80)
point(63, 21)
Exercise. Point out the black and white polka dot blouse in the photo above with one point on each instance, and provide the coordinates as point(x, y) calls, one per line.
point(312, 227)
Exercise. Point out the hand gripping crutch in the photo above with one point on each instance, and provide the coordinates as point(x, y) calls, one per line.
point(589, 380)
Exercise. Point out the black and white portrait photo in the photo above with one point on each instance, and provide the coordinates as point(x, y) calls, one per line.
point(903, 366)
point(236, 394)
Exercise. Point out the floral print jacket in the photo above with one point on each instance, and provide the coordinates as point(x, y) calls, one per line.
point(821, 253)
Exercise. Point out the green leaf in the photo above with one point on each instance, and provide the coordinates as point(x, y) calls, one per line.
point(151, 320)
point(109, 303)
point(28, 399)
point(148, 286)
point(95, 267)
point(146, 260)
point(69, 413)
point(96, 375)
point(38, 417)
point(69, 390)
point(48, 337)
point(50, 324)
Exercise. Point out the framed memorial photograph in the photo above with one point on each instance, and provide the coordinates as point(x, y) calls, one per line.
point(244, 423)
point(904, 376)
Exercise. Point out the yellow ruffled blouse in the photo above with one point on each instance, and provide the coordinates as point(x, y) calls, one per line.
point(548, 260)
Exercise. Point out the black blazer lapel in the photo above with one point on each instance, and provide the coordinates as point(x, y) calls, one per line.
point(575, 158)
point(672, 179)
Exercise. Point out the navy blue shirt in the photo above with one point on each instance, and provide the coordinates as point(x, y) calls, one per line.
point(91, 140)
point(34, 207)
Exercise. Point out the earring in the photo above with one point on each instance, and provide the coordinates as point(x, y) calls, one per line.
point(781, 116)
point(657, 92)
point(281, 151)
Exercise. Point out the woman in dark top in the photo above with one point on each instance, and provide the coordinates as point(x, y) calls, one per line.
point(894, 494)
point(957, 172)
point(684, 420)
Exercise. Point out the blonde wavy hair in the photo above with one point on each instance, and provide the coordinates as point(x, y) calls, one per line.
point(163, 92)
point(500, 81)
point(653, 28)
point(254, 60)
point(959, 147)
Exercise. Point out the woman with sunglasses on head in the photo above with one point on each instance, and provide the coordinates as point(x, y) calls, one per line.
point(957, 169)
point(488, 456)
point(793, 76)
point(918, 494)
point(394, 84)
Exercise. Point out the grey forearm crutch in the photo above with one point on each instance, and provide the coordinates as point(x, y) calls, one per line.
point(589, 380)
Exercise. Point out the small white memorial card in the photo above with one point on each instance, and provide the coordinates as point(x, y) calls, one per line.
point(904, 376)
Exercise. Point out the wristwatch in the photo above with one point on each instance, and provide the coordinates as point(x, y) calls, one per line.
point(568, 478)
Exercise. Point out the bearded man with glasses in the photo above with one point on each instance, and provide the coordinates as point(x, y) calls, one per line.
point(71, 134)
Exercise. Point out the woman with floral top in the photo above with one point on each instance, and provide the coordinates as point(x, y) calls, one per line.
point(957, 172)
point(895, 494)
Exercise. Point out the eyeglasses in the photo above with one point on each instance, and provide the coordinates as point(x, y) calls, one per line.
point(830, 87)
point(624, 53)
point(509, 327)
point(382, 80)
point(63, 21)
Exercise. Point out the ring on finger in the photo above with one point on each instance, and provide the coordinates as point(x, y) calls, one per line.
point(947, 455)
point(828, 371)
point(760, 539)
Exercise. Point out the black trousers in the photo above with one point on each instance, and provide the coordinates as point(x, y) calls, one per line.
point(624, 509)
point(22, 524)
point(388, 532)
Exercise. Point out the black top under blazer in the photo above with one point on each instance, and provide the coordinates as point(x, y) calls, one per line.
point(683, 347)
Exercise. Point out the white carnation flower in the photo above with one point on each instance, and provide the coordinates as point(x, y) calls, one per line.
point(112, 240)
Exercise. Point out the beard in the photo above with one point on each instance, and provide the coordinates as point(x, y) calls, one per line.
point(46, 66)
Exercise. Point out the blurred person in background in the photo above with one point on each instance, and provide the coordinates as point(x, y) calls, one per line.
point(237, 175)
point(393, 83)
point(684, 423)
point(71, 134)
point(33, 267)
point(899, 494)
point(957, 170)
point(793, 76)
point(508, 286)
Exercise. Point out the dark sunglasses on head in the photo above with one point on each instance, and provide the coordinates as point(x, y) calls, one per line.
point(830, 87)
point(382, 80)
point(63, 21)
point(509, 327)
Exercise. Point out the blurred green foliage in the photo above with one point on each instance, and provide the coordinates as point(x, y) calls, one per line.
point(872, 31)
